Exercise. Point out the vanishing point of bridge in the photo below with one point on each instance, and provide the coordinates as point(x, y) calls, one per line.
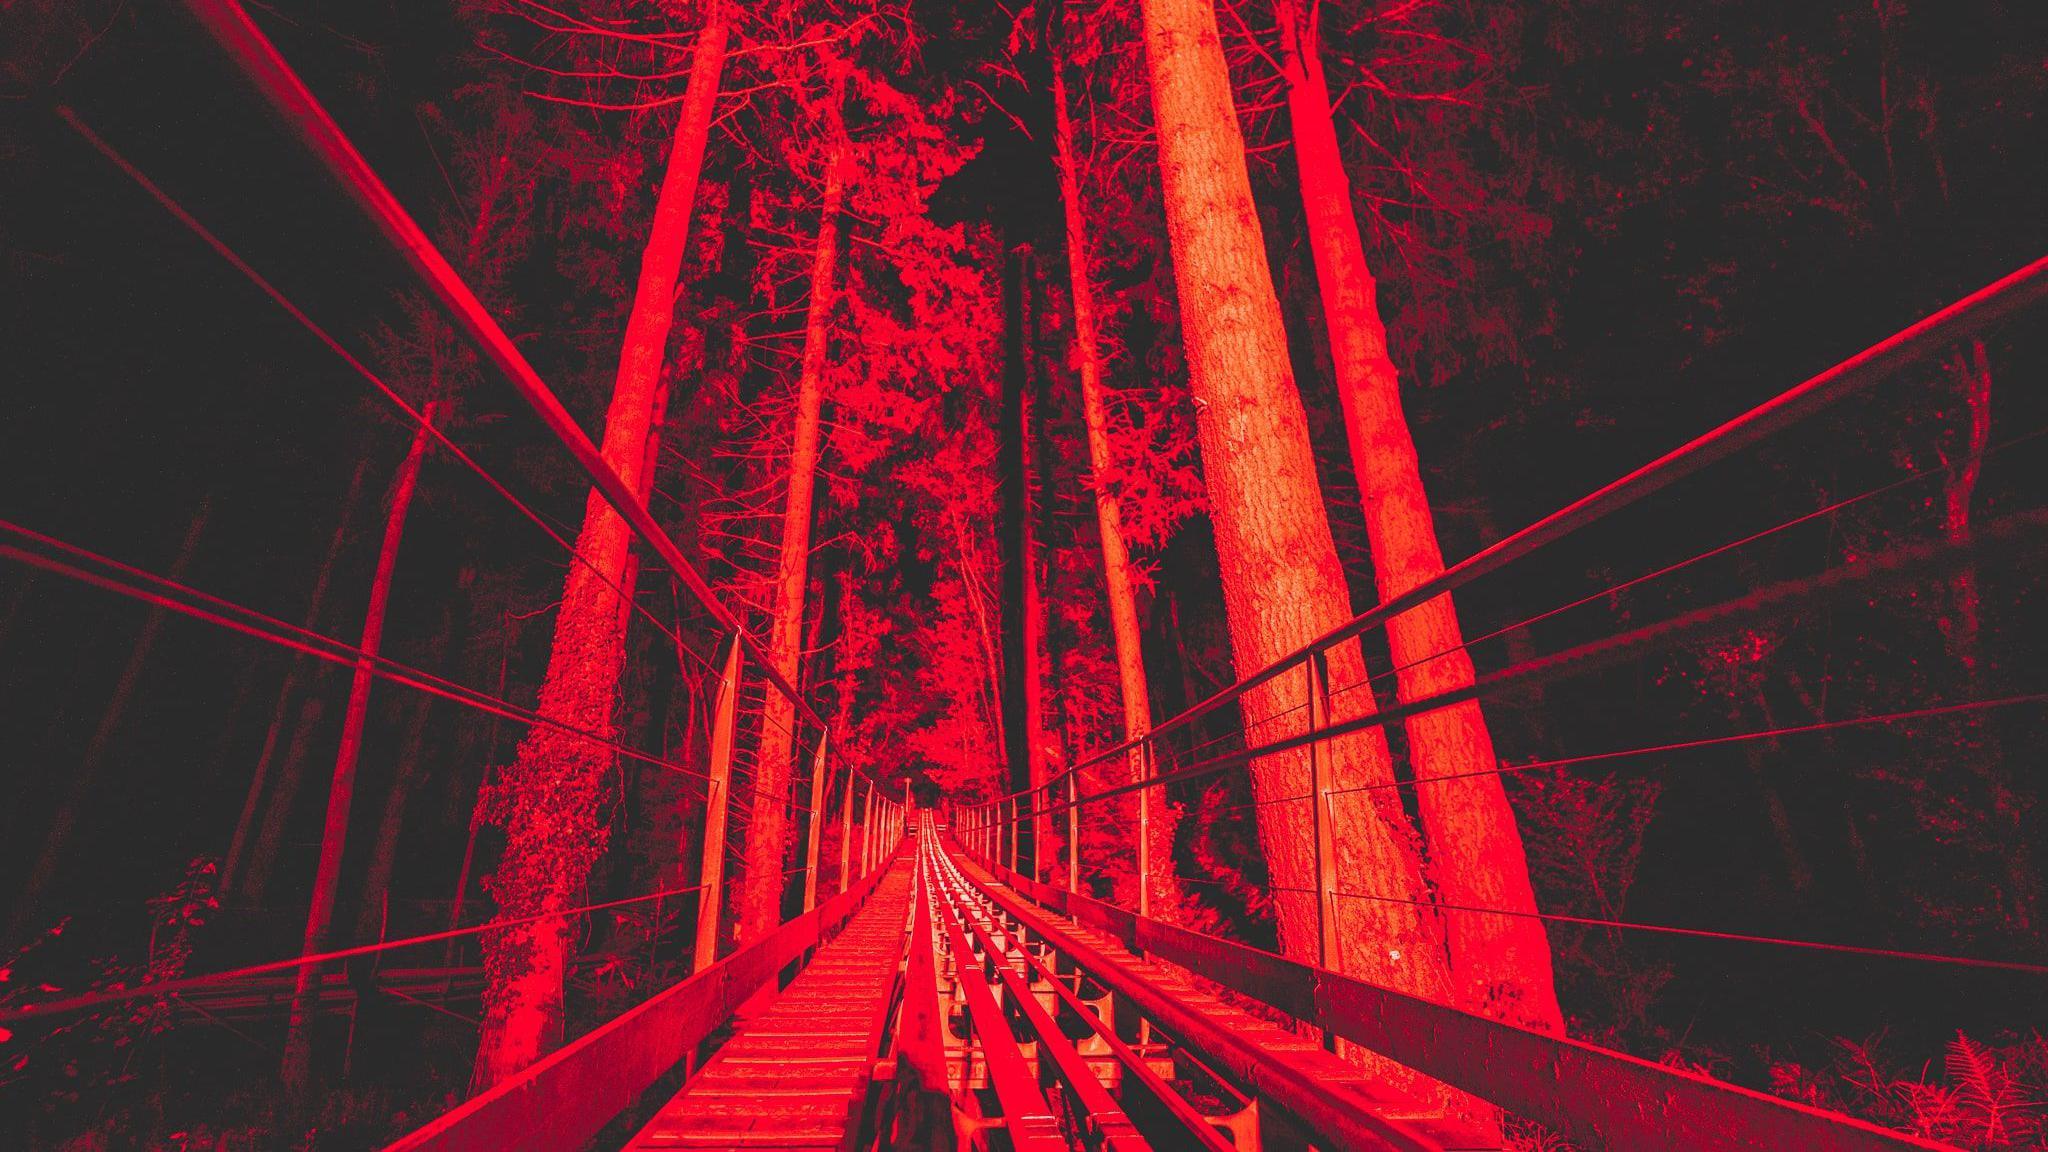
point(945, 994)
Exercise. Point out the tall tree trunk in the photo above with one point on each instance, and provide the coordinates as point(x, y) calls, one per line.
point(298, 1046)
point(553, 787)
point(1037, 748)
point(238, 846)
point(1282, 584)
point(254, 880)
point(370, 907)
point(768, 823)
point(1025, 602)
point(1117, 573)
point(84, 780)
point(968, 560)
point(1500, 964)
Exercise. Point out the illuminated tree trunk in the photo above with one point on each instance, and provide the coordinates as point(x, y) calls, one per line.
point(1013, 540)
point(1500, 964)
point(1282, 583)
point(231, 871)
point(1023, 610)
point(298, 1045)
point(1121, 588)
point(968, 559)
point(1037, 748)
point(768, 827)
point(83, 781)
point(553, 788)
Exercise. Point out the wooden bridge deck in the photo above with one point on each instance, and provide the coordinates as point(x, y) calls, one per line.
point(796, 1076)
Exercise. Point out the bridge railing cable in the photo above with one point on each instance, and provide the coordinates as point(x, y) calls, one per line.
point(1260, 757)
point(411, 695)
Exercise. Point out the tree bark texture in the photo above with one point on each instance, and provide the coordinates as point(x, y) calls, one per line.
point(1500, 963)
point(298, 1046)
point(552, 792)
point(768, 825)
point(1119, 583)
point(1282, 583)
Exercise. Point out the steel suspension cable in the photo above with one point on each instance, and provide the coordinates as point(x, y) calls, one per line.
point(185, 217)
point(93, 1000)
point(1611, 590)
point(2024, 531)
point(1616, 589)
point(165, 593)
point(1704, 933)
point(2024, 286)
point(412, 414)
point(260, 62)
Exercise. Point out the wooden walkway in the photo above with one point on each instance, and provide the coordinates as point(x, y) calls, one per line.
point(796, 1075)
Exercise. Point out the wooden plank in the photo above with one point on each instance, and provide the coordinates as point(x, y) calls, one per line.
point(563, 1101)
point(1324, 1094)
point(796, 1075)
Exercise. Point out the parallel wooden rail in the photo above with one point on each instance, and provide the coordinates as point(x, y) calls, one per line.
point(1594, 1096)
point(565, 1100)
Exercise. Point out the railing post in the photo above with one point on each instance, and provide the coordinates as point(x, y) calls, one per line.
point(816, 823)
point(846, 832)
point(1145, 830)
point(1074, 830)
point(1327, 946)
point(711, 877)
point(1041, 831)
point(867, 830)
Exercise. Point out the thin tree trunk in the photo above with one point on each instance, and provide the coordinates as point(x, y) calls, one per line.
point(1282, 583)
point(1014, 543)
point(1030, 580)
point(84, 780)
point(255, 876)
point(1500, 964)
point(989, 691)
point(1036, 744)
point(768, 822)
point(231, 871)
point(1117, 572)
point(1971, 373)
point(554, 784)
point(1962, 626)
point(298, 1046)
point(370, 910)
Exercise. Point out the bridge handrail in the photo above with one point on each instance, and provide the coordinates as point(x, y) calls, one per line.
point(1591, 1095)
point(562, 1102)
point(295, 105)
point(2024, 286)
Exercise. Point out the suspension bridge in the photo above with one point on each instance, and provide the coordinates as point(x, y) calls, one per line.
point(948, 981)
